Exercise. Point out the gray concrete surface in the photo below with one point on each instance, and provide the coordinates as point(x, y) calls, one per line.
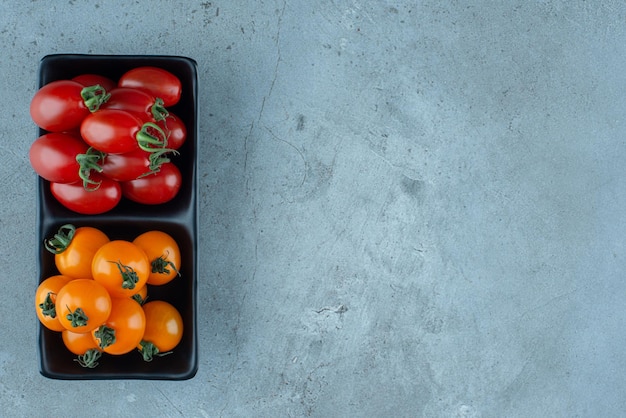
point(408, 209)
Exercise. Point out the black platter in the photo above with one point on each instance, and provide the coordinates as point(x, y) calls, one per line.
point(179, 218)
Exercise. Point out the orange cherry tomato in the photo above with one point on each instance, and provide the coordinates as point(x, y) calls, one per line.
point(164, 329)
point(123, 330)
point(163, 253)
point(74, 249)
point(45, 301)
point(83, 305)
point(121, 267)
point(84, 346)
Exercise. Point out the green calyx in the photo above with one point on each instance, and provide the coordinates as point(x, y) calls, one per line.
point(61, 240)
point(90, 161)
point(162, 266)
point(47, 307)
point(157, 158)
point(148, 141)
point(129, 276)
point(89, 360)
point(94, 97)
point(78, 318)
point(105, 336)
point(137, 297)
point(158, 110)
point(153, 139)
point(148, 350)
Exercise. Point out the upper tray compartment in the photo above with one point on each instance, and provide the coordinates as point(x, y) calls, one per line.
point(67, 66)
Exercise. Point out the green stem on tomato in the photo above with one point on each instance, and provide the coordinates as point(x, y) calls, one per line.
point(157, 158)
point(158, 110)
point(156, 145)
point(147, 141)
point(137, 298)
point(61, 240)
point(160, 265)
point(129, 276)
point(78, 318)
point(105, 335)
point(89, 359)
point(87, 162)
point(48, 307)
point(94, 96)
point(148, 350)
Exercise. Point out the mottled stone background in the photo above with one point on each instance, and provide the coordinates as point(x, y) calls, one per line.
point(408, 208)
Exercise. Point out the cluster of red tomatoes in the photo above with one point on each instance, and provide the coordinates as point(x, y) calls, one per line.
point(106, 140)
point(98, 299)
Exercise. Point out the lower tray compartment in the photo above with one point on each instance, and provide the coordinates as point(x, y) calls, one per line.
point(57, 362)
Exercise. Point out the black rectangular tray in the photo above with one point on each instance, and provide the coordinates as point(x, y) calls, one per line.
point(179, 218)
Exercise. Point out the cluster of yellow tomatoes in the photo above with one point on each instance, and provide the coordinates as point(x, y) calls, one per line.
point(98, 299)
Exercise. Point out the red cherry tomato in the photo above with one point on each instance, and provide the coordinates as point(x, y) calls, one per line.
point(127, 166)
point(63, 104)
point(156, 81)
point(95, 79)
point(90, 201)
point(53, 157)
point(115, 131)
point(175, 130)
point(138, 102)
point(111, 131)
point(155, 188)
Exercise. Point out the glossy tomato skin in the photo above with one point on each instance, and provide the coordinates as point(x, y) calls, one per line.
point(75, 260)
point(95, 79)
point(155, 81)
point(58, 106)
point(88, 202)
point(155, 188)
point(127, 166)
point(175, 129)
point(78, 343)
point(164, 325)
point(134, 101)
point(116, 257)
point(128, 323)
point(87, 295)
point(111, 131)
point(163, 253)
point(53, 157)
point(49, 288)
